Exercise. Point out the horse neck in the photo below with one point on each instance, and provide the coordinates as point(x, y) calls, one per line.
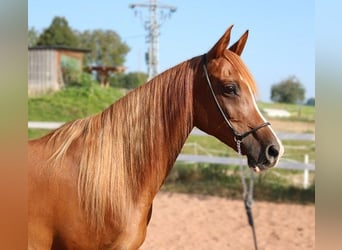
point(157, 119)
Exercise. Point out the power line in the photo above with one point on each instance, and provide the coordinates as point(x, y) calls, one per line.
point(152, 26)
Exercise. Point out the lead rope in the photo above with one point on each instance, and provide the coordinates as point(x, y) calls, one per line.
point(247, 193)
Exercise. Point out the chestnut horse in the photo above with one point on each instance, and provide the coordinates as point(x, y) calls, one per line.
point(92, 181)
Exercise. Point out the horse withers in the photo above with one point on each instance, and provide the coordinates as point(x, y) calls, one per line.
point(93, 180)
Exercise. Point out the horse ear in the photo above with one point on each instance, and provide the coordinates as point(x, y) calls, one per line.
point(220, 46)
point(238, 47)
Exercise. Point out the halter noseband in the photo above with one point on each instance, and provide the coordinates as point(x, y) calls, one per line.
point(237, 136)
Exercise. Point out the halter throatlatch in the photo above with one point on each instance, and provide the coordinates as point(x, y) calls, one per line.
point(238, 137)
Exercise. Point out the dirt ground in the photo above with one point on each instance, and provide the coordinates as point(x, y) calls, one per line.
point(186, 222)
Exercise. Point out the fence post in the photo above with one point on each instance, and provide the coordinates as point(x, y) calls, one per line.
point(306, 172)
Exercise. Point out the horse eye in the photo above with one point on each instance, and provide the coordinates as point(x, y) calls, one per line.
point(230, 89)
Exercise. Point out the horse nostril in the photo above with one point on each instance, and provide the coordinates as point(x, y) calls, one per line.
point(272, 151)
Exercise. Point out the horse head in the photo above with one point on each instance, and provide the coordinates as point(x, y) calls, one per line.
point(225, 106)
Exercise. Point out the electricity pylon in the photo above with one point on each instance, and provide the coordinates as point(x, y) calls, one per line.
point(152, 26)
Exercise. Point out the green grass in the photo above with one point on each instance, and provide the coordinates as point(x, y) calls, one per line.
point(225, 181)
point(36, 133)
point(71, 103)
point(298, 112)
point(196, 144)
point(296, 150)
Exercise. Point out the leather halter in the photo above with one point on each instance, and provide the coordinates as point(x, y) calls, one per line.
point(237, 136)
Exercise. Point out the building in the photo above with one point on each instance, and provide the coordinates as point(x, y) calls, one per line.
point(46, 65)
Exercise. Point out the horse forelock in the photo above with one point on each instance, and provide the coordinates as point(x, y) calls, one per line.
point(242, 69)
point(131, 144)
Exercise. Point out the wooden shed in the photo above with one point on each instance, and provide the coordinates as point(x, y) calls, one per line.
point(45, 64)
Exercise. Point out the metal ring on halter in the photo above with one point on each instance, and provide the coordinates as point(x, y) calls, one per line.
point(237, 136)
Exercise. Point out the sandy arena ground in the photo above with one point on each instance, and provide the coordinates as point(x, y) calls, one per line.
point(187, 222)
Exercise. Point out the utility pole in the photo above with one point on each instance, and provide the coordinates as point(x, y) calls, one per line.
point(152, 26)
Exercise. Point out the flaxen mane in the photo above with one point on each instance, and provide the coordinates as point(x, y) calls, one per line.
point(119, 144)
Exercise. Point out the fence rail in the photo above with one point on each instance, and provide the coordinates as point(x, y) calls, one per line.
point(195, 131)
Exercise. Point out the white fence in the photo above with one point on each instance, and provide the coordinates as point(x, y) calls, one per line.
point(305, 166)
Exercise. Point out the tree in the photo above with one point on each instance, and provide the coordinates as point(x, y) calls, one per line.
point(134, 79)
point(128, 81)
point(310, 101)
point(289, 90)
point(32, 37)
point(106, 47)
point(58, 33)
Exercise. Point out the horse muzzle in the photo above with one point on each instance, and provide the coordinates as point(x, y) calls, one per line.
point(268, 158)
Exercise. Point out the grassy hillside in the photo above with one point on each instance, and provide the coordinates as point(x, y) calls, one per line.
point(298, 112)
point(69, 104)
point(72, 103)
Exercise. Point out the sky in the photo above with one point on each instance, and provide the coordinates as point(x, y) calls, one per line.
point(281, 40)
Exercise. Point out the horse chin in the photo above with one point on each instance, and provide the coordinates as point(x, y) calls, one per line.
point(257, 167)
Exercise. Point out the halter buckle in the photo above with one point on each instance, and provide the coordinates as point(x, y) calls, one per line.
point(238, 145)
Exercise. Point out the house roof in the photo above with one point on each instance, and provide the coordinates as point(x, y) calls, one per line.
point(59, 47)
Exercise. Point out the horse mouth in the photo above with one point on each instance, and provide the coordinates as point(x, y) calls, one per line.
point(258, 167)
